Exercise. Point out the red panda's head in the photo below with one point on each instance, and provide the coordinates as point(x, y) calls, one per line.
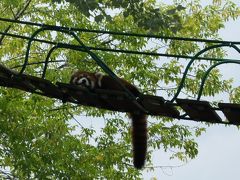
point(84, 79)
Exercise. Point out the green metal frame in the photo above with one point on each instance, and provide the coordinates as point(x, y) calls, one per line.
point(208, 72)
point(117, 33)
point(83, 48)
point(181, 85)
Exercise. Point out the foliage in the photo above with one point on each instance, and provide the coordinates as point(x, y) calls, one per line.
point(37, 135)
point(145, 14)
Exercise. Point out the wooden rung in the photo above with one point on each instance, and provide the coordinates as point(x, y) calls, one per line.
point(231, 111)
point(45, 86)
point(156, 105)
point(199, 110)
point(31, 84)
point(14, 83)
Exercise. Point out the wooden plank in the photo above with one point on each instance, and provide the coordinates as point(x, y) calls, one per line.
point(199, 110)
point(46, 87)
point(157, 105)
point(231, 111)
point(15, 83)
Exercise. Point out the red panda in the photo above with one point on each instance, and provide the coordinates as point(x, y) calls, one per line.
point(139, 120)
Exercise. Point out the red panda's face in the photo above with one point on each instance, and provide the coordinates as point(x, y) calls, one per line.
point(84, 79)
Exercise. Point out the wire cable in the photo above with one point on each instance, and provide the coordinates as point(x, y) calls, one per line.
point(119, 33)
point(71, 46)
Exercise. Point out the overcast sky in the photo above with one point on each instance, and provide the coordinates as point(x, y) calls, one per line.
point(219, 147)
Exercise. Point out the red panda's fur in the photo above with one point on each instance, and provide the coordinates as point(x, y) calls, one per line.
point(139, 120)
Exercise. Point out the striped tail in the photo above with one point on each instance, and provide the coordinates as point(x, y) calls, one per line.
point(139, 139)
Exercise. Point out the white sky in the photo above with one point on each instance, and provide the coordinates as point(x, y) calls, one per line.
point(219, 147)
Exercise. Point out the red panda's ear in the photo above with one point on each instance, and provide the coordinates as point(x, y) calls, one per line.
point(99, 77)
point(75, 71)
point(99, 74)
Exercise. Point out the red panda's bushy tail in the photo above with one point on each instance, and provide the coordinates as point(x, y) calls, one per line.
point(139, 138)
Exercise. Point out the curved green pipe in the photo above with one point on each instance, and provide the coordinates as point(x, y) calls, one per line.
point(207, 74)
point(181, 85)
